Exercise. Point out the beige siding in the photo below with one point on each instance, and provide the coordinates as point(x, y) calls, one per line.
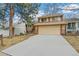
point(63, 29)
point(36, 30)
point(54, 29)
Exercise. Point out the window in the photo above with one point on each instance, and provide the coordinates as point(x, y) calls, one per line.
point(73, 25)
point(69, 25)
point(58, 18)
point(49, 19)
point(53, 19)
point(43, 20)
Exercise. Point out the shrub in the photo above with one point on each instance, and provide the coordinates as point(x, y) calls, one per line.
point(21, 34)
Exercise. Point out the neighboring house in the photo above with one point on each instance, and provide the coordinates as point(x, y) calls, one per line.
point(19, 28)
point(73, 25)
point(51, 24)
point(5, 33)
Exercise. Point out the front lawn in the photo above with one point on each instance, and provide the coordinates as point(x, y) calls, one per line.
point(11, 41)
point(74, 41)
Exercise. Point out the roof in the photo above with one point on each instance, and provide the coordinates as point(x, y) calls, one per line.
point(51, 15)
point(72, 20)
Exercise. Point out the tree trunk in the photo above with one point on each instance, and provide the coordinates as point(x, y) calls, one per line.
point(11, 21)
point(26, 28)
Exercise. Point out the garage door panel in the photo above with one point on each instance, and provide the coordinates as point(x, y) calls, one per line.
point(49, 30)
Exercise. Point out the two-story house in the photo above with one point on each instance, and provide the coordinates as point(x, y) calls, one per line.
point(51, 24)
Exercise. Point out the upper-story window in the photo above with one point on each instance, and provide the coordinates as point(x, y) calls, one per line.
point(53, 19)
point(49, 19)
point(58, 18)
point(43, 20)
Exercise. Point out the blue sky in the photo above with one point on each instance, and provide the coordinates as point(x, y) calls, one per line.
point(67, 13)
point(62, 6)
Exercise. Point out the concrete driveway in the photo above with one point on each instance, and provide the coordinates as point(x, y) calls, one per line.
point(42, 45)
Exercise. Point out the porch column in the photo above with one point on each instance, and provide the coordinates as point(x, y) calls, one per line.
point(47, 20)
point(40, 20)
point(65, 29)
point(50, 19)
point(76, 26)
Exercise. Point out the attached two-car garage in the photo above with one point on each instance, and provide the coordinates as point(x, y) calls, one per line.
point(49, 29)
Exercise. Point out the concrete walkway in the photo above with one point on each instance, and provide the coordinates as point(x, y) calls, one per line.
point(42, 45)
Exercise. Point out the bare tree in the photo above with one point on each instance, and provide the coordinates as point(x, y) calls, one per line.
point(51, 8)
point(11, 27)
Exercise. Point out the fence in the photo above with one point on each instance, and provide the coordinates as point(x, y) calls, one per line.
point(1, 40)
